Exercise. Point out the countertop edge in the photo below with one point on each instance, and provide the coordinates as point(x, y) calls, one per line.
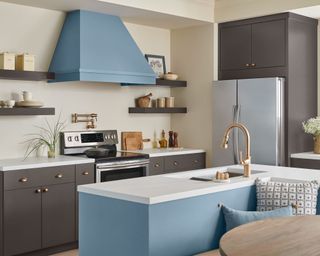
point(306, 155)
point(169, 152)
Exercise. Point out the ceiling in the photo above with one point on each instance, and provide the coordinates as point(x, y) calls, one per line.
point(312, 12)
point(128, 14)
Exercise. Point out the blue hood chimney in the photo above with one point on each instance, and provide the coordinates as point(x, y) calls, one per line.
point(98, 48)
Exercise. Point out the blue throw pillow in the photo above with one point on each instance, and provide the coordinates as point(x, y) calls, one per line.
point(235, 218)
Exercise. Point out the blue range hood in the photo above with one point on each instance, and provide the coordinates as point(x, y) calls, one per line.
point(98, 48)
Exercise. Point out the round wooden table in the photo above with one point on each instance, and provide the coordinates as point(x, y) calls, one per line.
point(294, 236)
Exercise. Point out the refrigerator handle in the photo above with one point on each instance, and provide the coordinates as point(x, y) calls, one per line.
point(235, 137)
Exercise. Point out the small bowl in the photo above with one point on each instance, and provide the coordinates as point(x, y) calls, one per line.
point(171, 76)
point(10, 103)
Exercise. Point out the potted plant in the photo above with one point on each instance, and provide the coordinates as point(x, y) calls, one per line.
point(312, 126)
point(48, 137)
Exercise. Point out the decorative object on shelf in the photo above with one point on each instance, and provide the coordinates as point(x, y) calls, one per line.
point(144, 101)
point(90, 119)
point(163, 142)
point(25, 62)
point(171, 76)
point(27, 96)
point(161, 102)
point(28, 102)
point(48, 137)
point(171, 145)
point(155, 140)
point(9, 103)
point(7, 61)
point(157, 63)
point(158, 110)
point(175, 140)
point(312, 126)
point(169, 102)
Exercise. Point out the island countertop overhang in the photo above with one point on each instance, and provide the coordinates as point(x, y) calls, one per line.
point(175, 186)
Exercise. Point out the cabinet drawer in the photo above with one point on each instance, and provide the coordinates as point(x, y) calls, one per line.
point(156, 166)
point(84, 174)
point(176, 163)
point(38, 177)
point(196, 161)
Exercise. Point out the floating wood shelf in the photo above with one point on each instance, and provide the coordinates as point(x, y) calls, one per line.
point(157, 110)
point(26, 111)
point(162, 83)
point(25, 75)
point(171, 83)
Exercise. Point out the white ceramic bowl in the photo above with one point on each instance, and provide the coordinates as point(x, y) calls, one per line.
point(10, 103)
point(171, 76)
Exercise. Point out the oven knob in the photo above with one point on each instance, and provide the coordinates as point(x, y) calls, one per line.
point(69, 138)
point(76, 138)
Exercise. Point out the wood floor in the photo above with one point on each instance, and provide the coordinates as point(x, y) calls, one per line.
point(68, 253)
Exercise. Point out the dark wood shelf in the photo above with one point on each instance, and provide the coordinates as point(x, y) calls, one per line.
point(157, 110)
point(171, 83)
point(25, 75)
point(17, 111)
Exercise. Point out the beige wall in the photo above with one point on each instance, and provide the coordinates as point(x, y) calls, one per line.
point(192, 59)
point(227, 10)
point(33, 30)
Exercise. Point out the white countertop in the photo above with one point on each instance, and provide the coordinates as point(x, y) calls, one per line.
point(41, 162)
point(156, 152)
point(169, 187)
point(306, 155)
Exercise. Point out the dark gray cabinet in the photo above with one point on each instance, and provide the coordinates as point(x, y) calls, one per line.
point(280, 45)
point(40, 208)
point(176, 163)
point(305, 163)
point(253, 44)
point(22, 221)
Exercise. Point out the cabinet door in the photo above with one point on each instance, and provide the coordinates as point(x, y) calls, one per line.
point(269, 44)
point(235, 47)
point(22, 221)
point(58, 214)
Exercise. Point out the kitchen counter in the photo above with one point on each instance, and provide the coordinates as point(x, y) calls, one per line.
point(169, 187)
point(157, 152)
point(306, 155)
point(41, 162)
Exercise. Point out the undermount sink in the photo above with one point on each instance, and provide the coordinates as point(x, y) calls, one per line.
point(233, 173)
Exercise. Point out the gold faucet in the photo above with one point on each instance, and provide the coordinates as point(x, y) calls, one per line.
point(246, 162)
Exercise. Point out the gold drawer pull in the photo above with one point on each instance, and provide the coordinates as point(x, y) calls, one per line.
point(253, 65)
point(157, 165)
point(85, 173)
point(59, 176)
point(38, 191)
point(45, 190)
point(247, 65)
point(175, 163)
point(196, 161)
point(24, 179)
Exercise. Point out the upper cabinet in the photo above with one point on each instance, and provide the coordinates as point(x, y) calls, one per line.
point(254, 47)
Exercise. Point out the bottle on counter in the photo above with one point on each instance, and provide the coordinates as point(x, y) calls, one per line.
point(171, 139)
point(155, 140)
point(175, 140)
point(163, 142)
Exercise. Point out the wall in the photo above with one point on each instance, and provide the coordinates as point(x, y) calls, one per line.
point(33, 30)
point(227, 10)
point(192, 59)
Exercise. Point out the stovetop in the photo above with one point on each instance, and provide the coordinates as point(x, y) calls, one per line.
point(120, 156)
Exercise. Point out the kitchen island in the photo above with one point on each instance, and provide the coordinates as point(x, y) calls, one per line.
point(168, 214)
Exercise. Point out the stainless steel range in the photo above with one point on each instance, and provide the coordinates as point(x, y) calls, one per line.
point(110, 164)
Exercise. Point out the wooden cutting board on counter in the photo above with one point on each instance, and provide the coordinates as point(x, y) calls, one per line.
point(131, 141)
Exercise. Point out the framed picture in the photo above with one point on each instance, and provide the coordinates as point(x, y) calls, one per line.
point(157, 63)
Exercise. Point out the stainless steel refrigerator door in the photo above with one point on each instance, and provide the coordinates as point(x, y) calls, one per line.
point(260, 104)
point(224, 110)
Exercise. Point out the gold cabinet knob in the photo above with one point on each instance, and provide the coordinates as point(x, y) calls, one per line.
point(59, 176)
point(24, 179)
point(196, 161)
point(175, 163)
point(247, 65)
point(157, 165)
point(38, 191)
point(85, 173)
point(253, 65)
point(45, 190)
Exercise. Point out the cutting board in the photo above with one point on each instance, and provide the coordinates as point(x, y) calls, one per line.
point(131, 140)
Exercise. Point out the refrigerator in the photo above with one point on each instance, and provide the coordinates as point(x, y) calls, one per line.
point(259, 105)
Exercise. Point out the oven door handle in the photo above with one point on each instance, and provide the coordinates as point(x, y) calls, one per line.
point(113, 168)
